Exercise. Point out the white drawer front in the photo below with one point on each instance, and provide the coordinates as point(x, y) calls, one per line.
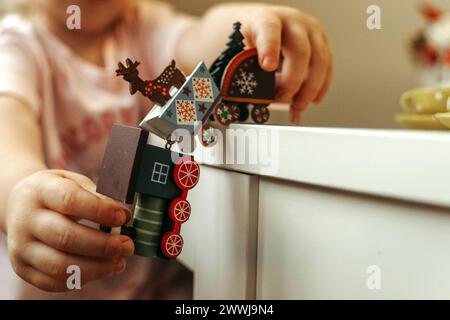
point(317, 243)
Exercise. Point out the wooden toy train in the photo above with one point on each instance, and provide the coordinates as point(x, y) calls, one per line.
point(242, 82)
point(196, 100)
point(161, 178)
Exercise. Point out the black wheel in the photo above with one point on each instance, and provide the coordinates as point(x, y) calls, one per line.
point(260, 114)
point(243, 112)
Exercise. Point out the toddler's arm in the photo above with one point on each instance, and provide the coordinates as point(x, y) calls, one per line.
point(39, 209)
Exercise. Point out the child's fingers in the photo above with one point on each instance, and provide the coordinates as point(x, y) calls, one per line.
point(297, 106)
point(64, 234)
point(83, 181)
point(86, 183)
point(297, 54)
point(39, 279)
point(316, 74)
point(55, 263)
point(69, 198)
point(294, 116)
point(266, 31)
point(323, 91)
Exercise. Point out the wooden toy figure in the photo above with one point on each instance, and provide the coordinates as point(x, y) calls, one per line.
point(243, 83)
point(156, 90)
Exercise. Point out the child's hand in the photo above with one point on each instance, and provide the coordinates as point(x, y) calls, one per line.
point(307, 57)
point(44, 237)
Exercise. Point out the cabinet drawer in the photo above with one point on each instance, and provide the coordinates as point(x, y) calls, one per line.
point(319, 243)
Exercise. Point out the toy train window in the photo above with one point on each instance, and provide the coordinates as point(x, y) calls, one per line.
point(160, 173)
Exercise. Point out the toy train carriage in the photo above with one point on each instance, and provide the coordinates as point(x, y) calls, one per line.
point(160, 178)
point(243, 83)
point(162, 205)
point(189, 108)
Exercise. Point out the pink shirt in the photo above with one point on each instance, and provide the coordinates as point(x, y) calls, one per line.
point(76, 103)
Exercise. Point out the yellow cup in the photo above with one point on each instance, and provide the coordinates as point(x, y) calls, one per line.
point(425, 100)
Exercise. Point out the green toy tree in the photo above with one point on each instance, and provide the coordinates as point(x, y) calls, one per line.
point(234, 46)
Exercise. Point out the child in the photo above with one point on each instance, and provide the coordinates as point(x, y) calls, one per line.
point(58, 100)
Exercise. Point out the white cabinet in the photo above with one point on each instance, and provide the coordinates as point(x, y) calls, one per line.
point(342, 202)
point(315, 243)
point(220, 236)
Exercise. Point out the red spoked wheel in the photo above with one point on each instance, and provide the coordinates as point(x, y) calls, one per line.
point(226, 114)
point(208, 135)
point(171, 244)
point(260, 114)
point(179, 210)
point(235, 113)
point(186, 173)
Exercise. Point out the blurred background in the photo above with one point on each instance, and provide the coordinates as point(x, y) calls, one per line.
point(372, 68)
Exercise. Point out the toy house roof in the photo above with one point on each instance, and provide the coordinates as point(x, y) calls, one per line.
point(188, 108)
